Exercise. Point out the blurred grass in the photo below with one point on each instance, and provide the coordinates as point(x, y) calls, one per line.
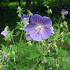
point(10, 4)
point(27, 56)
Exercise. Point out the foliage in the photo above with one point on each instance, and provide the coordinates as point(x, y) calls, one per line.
point(57, 3)
point(17, 53)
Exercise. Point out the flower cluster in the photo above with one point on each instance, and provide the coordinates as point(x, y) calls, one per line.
point(39, 28)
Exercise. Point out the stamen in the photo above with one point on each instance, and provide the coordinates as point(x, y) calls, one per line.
point(39, 28)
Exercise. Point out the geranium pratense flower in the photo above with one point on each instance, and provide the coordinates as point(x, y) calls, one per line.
point(25, 19)
point(64, 12)
point(39, 28)
point(5, 32)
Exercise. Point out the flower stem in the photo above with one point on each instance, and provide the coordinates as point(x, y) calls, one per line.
point(21, 35)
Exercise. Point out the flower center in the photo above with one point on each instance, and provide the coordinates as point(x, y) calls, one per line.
point(39, 28)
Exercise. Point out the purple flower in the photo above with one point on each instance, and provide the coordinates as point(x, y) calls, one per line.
point(39, 28)
point(4, 33)
point(25, 19)
point(64, 12)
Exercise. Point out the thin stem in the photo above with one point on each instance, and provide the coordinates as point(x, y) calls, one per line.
point(21, 35)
